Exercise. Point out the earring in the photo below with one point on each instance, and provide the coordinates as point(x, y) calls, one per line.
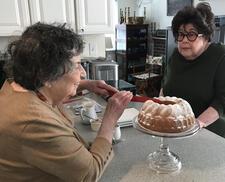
point(47, 84)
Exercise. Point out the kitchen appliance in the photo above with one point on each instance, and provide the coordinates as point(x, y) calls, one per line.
point(103, 70)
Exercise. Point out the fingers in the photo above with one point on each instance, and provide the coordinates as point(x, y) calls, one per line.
point(116, 105)
point(105, 89)
point(122, 96)
point(110, 89)
point(102, 92)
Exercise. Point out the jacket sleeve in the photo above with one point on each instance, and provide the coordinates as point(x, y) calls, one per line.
point(219, 100)
point(57, 151)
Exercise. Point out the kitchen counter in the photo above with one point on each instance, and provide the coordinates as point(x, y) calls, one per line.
point(202, 155)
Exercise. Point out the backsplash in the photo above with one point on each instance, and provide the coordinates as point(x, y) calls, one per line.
point(94, 45)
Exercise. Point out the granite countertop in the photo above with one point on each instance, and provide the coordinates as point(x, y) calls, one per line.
point(202, 155)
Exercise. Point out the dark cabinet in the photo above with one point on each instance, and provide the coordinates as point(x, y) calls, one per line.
point(131, 49)
point(2, 73)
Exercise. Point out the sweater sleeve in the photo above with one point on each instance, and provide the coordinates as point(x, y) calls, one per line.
point(57, 151)
point(219, 100)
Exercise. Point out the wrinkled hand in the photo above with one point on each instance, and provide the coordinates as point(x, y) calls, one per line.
point(202, 124)
point(100, 87)
point(116, 105)
point(114, 109)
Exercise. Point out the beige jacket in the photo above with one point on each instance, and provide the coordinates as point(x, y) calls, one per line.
point(37, 143)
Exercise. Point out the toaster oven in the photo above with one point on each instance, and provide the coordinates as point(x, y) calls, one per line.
point(104, 70)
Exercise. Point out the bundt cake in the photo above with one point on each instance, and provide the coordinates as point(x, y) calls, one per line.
point(171, 115)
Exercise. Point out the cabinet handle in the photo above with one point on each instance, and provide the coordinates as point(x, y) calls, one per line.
point(82, 30)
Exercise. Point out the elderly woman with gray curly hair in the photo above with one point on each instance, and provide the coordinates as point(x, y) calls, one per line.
point(37, 140)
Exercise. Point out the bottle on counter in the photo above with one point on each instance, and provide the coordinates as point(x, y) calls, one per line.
point(117, 133)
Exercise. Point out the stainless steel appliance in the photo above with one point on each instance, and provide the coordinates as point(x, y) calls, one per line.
point(103, 70)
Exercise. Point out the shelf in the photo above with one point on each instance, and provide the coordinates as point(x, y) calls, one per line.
point(132, 40)
point(131, 48)
point(136, 66)
point(131, 26)
point(137, 39)
point(139, 54)
point(159, 38)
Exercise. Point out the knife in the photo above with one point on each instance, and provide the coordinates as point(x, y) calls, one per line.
point(139, 98)
point(144, 98)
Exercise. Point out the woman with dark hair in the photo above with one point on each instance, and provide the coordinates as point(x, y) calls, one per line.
point(195, 70)
point(38, 142)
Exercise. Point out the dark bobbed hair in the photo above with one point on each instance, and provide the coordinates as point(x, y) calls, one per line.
point(43, 53)
point(200, 16)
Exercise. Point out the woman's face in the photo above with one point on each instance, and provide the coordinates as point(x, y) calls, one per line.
point(191, 49)
point(66, 86)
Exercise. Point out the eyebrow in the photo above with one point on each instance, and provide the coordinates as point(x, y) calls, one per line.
point(79, 62)
point(191, 30)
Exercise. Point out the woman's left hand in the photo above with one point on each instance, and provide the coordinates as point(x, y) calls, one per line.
point(98, 86)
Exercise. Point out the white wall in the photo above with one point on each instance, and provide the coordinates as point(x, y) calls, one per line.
point(218, 6)
point(157, 11)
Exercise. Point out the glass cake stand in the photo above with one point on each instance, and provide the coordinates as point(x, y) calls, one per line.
point(163, 160)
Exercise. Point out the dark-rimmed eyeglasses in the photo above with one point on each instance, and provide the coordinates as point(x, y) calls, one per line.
point(191, 36)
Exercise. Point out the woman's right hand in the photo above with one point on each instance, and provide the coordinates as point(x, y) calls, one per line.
point(115, 107)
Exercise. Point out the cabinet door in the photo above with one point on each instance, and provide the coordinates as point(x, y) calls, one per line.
point(14, 17)
point(95, 16)
point(50, 11)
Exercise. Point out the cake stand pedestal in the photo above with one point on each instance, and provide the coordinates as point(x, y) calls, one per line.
point(163, 160)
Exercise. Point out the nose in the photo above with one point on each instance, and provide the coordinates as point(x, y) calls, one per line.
point(185, 39)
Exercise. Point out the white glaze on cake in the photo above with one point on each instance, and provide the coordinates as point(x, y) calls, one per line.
point(171, 116)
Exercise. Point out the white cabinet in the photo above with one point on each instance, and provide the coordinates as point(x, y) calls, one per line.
point(50, 11)
point(14, 17)
point(95, 16)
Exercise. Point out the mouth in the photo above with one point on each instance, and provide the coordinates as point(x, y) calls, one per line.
point(185, 47)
